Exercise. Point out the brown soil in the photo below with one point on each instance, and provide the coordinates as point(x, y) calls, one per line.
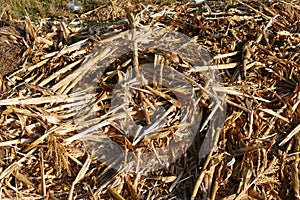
point(10, 47)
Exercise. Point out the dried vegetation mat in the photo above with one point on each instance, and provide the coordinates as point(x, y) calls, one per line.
point(254, 44)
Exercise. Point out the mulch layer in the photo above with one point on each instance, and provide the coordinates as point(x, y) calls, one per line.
point(255, 45)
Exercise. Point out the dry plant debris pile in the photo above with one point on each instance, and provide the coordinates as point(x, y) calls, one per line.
point(256, 46)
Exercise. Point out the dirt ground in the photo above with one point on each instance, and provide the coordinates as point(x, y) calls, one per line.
point(10, 48)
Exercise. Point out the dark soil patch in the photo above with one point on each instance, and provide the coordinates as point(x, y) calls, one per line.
point(11, 47)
